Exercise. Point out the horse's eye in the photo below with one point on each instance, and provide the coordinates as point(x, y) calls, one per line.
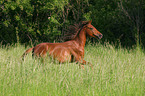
point(91, 28)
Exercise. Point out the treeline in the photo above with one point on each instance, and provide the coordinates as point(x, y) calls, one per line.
point(25, 21)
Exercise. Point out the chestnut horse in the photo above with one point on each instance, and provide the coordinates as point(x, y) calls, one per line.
point(72, 50)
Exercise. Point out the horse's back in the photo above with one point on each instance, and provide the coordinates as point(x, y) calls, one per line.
point(40, 49)
point(58, 51)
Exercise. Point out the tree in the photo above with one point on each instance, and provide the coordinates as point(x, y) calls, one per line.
point(25, 20)
point(134, 12)
point(120, 21)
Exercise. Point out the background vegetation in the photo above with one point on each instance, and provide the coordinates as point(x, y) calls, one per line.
point(25, 21)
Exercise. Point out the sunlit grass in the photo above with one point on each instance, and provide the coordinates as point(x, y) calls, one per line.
point(116, 72)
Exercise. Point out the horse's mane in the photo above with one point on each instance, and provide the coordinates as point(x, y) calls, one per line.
point(73, 30)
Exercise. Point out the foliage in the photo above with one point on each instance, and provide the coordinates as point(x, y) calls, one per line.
point(120, 21)
point(33, 19)
point(133, 13)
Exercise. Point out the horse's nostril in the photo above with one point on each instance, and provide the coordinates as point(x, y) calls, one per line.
point(100, 36)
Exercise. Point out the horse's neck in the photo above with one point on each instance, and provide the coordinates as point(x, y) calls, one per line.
point(81, 38)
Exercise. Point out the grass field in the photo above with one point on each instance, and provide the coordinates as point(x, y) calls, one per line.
point(117, 72)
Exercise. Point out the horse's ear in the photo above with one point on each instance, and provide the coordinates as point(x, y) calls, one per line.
point(86, 22)
point(90, 21)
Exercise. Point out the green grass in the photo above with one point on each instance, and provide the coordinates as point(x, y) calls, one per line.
point(118, 72)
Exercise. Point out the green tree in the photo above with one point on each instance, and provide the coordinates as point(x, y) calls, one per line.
point(30, 20)
point(120, 21)
point(134, 13)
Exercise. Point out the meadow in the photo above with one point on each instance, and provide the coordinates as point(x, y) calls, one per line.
point(116, 72)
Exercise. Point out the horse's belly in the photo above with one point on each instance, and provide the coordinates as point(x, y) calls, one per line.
point(61, 54)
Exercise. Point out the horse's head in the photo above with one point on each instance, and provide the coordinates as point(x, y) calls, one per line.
point(92, 31)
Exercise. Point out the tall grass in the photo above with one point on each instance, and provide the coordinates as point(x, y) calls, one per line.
point(118, 72)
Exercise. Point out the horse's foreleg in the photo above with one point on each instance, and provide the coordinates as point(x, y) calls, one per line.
point(79, 59)
point(83, 62)
point(86, 63)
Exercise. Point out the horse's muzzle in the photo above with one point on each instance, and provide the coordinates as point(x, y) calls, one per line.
point(99, 36)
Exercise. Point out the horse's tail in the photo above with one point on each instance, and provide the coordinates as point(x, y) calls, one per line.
point(26, 52)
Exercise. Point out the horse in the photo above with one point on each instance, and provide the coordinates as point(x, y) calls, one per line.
point(71, 50)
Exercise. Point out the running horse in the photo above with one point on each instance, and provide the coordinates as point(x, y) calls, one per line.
point(69, 51)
